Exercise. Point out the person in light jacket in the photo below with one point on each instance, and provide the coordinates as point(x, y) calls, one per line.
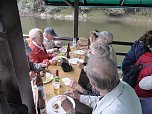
point(116, 97)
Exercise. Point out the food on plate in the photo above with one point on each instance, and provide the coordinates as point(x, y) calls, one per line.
point(56, 106)
point(47, 77)
point(58, 59)
point(80, 52)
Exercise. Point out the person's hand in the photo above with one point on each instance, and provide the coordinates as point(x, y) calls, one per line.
point(53, 62)
point(58, 43)
point(73, 93)
point(80, 65)
point(74, 85)
point(44, 64)
point(66, 104)
point(92, 38)
point(32, 75)
point(55, 49)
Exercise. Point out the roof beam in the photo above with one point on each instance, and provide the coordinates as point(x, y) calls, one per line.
point(69, 3)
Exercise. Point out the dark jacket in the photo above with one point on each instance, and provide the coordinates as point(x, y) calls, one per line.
point(137, 49)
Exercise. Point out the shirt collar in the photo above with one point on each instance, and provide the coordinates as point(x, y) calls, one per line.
point(47, 39)
point(41, 47)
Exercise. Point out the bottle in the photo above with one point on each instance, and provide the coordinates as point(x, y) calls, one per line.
point(41, 107)
point(57, 83)
point(68, 50)
point(89, 43)
point(74, 43)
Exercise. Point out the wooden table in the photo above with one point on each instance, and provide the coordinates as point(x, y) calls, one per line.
point(74, 75)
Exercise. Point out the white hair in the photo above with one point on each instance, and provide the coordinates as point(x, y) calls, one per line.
point(101, 49)
point(107, 37)
point(33, 33)
point(103, 71)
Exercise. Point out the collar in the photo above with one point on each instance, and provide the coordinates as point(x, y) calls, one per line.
point(41, 47)
point(47, 39)
point(109, 98)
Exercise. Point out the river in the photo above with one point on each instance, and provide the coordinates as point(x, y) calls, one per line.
point(121, 31)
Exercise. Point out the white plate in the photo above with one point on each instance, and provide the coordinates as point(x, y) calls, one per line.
point(80, 52)
point(75, 60)
point(47, 78)
point(66, 81)
point(57, 100)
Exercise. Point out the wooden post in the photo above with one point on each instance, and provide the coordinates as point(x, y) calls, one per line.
point(13, 61)
point(76, 18)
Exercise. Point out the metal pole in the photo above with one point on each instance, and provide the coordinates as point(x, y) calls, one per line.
point(76, 18)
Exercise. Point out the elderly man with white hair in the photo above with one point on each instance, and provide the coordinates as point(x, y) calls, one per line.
point(38, 53)
point(116, 97)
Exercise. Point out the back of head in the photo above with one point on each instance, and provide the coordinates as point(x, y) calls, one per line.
point(146, 38)
point(100, 49)
point(106, 36)
point(34, 33)
point(103, 71)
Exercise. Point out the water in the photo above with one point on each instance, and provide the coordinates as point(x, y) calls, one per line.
point(121, 31)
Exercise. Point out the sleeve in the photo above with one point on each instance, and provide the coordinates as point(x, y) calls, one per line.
point(37, 66)
point(146, 83)
point(89, 100)
point(34, 58)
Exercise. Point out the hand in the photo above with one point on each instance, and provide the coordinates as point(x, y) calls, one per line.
point(74, 85)
point(55, 49)
point(80, 65)
point(92, 38)
point(72, 93)
point(53, 62)
point(44, 64)
point(32, 75)
point(66, 104)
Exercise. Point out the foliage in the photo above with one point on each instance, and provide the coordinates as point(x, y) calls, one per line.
point(114, 12)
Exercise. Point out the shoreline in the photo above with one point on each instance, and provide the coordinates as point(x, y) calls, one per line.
point(84, 17)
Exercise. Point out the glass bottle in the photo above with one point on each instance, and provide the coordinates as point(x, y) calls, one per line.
point(57, 83)
point(89, 43)
point(41, 107)
point(68, 50)
point(74, 43)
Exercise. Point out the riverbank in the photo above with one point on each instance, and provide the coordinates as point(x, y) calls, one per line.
point(94, 15)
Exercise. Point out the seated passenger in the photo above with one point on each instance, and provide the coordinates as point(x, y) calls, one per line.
point(116, 97)
point(37, 67)
point(143, 87)
point(139, 47)
point(48, 42)
point(100, 50)
point(38, 53)
point(101, 38)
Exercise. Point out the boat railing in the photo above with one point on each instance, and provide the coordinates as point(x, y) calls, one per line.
point(119, 53)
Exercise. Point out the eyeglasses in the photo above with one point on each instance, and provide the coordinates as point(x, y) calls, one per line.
point(40, 37)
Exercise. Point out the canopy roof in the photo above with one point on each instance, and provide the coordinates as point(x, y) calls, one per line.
point(131, 3)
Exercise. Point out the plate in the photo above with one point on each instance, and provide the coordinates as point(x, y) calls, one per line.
point(47, 78)
point(75, 60)
point(79, 52)
point(66, 81)
point(58, 57)
point(56, 100)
